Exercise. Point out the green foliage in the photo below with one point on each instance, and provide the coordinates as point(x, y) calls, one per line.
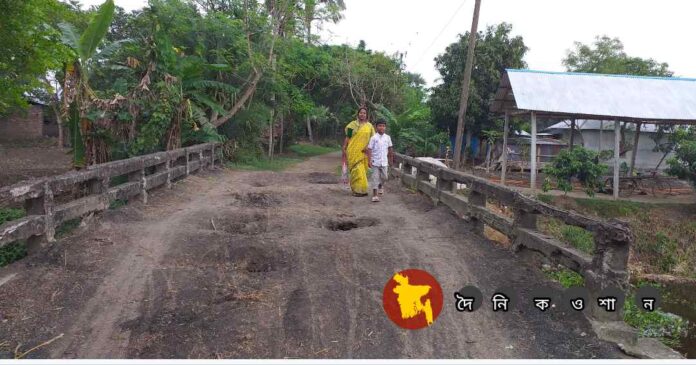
point(666, 327)
point(576, 163)
point(496, 50)
point(30, 48)
point(607, 56)
point(12, 252)
point(566, 277)
point(683, 164)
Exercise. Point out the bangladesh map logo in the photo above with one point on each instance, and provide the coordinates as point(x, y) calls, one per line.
point(412, 299)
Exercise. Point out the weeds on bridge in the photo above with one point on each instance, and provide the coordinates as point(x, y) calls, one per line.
point(666, 327)
point(15, 250)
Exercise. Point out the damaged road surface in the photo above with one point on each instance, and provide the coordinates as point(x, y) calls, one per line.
point(232, 264)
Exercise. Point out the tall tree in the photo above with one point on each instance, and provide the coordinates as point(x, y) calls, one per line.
point(606, 55)
point(321, 11)
point(496, 50)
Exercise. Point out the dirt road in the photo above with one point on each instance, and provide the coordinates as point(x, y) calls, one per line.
point(232, 264)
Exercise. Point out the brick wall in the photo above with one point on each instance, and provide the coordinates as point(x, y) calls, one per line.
point(22, 125)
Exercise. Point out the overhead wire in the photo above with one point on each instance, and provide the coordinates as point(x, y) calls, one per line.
point(440, 33)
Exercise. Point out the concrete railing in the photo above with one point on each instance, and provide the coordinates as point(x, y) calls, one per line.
point(605, 268)
point(50, 201)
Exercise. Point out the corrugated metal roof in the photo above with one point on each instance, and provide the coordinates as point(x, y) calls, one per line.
point(663, 99)
point(591, 124)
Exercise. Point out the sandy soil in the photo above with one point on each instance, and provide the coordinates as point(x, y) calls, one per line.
point(232, 264)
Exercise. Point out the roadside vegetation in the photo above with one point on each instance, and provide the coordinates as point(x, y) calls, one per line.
point(15, 250)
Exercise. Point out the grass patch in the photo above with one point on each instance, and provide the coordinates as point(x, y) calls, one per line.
point(577, 237)
point(117, 203)
point(309, 150)
point(264, 164)
point(611, 208)
point(10, 214)
point(67, 227)
point(12, 252)
point(566, 277)
point(545, 198)
point(16, 250)
point(250, 161)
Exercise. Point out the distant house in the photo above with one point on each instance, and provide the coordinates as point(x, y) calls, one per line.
point(518, 149)
point(33, 123)
point(587, 134)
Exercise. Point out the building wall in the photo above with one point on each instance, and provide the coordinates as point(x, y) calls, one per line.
point(23, 125)
point(646, 159)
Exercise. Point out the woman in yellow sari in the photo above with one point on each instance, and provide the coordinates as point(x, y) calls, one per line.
point(358, 134)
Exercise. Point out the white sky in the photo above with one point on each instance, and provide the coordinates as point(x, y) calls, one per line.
point(659, 29)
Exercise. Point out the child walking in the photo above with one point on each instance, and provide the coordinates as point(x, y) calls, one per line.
point(380, 154)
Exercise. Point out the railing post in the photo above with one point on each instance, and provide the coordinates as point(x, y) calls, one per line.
point(421, 176)
point(443, 184)
point(188, 169)
point(406, 169)
point(139, 176)
point(168, 166)
point(212, 156)
point(477, 199)
point(609, 267)
point(201, 160)
point(42, 205)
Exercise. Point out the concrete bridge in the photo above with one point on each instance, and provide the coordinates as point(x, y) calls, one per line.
point(233, 264)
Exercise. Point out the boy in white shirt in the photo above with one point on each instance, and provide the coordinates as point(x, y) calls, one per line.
point(379, 155)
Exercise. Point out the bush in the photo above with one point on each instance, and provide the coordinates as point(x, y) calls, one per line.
point(576, 163)
point(683, 164)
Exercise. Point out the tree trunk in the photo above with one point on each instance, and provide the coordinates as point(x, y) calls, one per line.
point(309, 130)
point(635, 149)
point(467, 150)
point(488, 157)
point(465, 86)
point(282, 131)
point(572, 133)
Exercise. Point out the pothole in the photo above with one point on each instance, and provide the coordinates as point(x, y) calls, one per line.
point(240, 223)
point(322, 178)
point(347, 224)
point(257, 200)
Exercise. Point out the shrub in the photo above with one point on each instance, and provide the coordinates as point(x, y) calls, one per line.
point(576, 163)
point(683, 164)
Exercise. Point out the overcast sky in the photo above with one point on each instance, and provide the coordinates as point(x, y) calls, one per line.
point(662, 30)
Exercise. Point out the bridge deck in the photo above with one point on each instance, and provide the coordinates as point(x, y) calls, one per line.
point(237, 264)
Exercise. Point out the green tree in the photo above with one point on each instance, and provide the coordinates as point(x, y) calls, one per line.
point(496, 50)
point(88, 148)
point(606, 55)
point(31, 48)
point(683, 164)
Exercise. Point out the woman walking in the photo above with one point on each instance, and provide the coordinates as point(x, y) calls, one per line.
point(358, 134)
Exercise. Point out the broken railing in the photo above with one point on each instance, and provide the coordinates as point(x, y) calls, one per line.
point(605, 268)
point(53, 200)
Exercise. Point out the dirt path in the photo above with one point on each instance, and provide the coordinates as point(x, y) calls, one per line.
point(232, 264)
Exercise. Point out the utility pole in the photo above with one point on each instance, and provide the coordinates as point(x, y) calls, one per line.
point(465, 86)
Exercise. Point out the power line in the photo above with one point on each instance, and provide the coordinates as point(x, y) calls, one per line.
point(439, 34)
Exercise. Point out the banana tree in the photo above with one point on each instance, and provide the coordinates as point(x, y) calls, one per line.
point(77, 95)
